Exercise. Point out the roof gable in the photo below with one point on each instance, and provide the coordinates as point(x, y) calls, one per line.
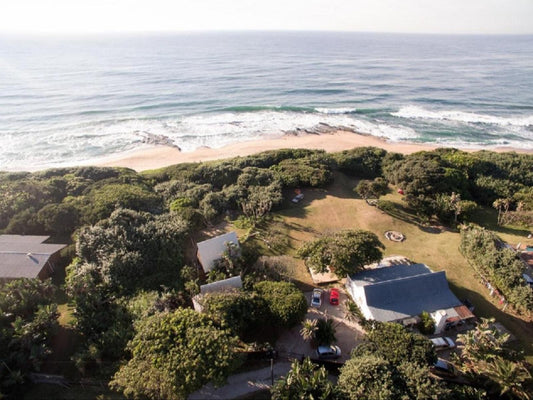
point(212, 249)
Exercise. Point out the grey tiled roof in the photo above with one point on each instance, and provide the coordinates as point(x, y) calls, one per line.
point(24, 256)
point(373, 276)
point(405, 297)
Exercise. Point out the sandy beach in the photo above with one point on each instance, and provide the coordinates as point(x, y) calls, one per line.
point(161, 156)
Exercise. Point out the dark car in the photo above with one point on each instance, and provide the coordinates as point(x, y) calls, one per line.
point(334, 297)
point(443, 369)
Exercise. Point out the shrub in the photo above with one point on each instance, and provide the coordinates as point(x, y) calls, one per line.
point(426, 325)
point(287, 304)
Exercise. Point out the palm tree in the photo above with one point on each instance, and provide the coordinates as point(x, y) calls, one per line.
point(308, 329)
point(304, 382)
point(508, 375)
point(498, 205)
point(325, 333)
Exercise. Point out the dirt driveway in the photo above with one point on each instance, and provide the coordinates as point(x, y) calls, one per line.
point(349, 334)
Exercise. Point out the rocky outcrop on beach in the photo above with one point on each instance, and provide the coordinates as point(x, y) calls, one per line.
point(160, 140)
point(320, 129)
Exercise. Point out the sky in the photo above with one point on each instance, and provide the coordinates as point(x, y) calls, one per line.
point(406, 16)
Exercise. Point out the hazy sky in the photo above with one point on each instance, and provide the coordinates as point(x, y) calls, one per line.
point(426, 16)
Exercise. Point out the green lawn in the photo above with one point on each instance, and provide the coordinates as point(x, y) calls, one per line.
point(337, 208)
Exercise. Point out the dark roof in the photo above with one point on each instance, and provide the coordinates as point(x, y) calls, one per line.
point(373, 276)
point(402, 291)
point(23, 238)
point(24, 256)
point(405, 297)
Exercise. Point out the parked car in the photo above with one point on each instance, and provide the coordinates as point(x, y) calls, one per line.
point(334, 296)
point(325, 352)
point(442, 343)
point(316, 298)
point(298, 198)
point(443, 369)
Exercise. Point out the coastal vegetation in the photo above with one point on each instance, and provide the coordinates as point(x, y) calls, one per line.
point(132, 276)
point(498, 266)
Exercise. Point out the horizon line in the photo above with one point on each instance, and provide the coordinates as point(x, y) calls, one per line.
point(222, 31)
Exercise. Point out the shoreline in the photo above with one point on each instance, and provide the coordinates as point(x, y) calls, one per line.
point(162, 156)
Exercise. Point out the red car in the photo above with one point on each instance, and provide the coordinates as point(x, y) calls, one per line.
point(334, 297)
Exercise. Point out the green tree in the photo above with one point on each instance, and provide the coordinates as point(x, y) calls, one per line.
point(391, 364)
point(173, 354)
point(287, 303)
point(395, 344)
point(364, 162)
point(59, 219)
point(426, 325)
point(368, 377)
point(345, 253)
point(325, 332)
point(304, 381)
point(487, 360)
point(28, 319)
point(243, 313)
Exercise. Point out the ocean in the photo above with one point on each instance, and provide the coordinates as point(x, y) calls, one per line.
point(66, 101)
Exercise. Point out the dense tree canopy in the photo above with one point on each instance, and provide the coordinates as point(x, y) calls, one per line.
point(174, 354)
point(28, 318)
point(304, 381)
point(395, 344)
point(286, 303)
point(243, 313)
point(498, 265)
point(120, 256)
point(345, 252)
point(363, 162)
point(391, 364)
point(491, 364)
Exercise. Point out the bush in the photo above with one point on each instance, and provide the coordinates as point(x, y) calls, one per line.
point(315, 171)
point(287, 304)
point(426, 325)
point(500, 266)
point(363, 162)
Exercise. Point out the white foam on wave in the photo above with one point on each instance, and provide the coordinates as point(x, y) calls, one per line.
point(341, 110)
point(77, 143)
point(461, 116)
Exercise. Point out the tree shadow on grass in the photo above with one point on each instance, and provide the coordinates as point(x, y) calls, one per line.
point(488, 218)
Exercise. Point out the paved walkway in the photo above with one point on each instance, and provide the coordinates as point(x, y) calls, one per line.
point(242, 384)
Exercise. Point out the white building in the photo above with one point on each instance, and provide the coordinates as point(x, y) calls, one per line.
point(211, 250)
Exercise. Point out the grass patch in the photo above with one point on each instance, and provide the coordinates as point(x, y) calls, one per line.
point(337, 208)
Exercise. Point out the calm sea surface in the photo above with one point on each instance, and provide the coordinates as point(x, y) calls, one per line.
point(65, 101)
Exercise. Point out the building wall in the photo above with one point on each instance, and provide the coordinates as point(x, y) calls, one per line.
point(358, 296)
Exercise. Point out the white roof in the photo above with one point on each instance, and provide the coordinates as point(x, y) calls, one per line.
point(212, 249)
point(234, 282)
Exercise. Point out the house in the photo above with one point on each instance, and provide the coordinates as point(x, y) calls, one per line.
point(399, 293)
point(26, 256)
point(233, 283)
point(211, 250)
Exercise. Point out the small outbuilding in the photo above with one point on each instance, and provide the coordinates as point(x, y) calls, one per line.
point(27, 256)
point(233, 283)
point(211, 250)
